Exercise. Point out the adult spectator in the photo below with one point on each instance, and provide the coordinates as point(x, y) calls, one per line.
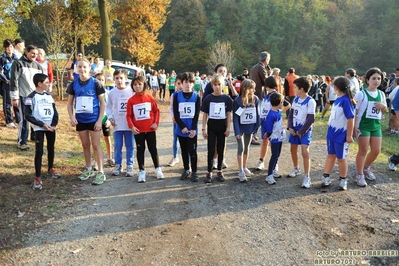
point(245, 74)
point(6, 60)
point(276, 75)
point(19, 47)
point(289, 87)
point(258, 73)
point(47, 68)
point(21, 85)
point(354, 83)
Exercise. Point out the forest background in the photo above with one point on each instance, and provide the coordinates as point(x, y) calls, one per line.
point(313, 36)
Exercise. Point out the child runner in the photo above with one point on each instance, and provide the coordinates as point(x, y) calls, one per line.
point(339, 133)
point(116, 112)
point(86, 94)
point(370, 104)
point(43, 116)
point(106, 124)
point(143, 119)
point(171, 85)
point(154, 83)
point(330, 96)
point(178, 83)
point(217, 109)
point(108, 72)
point(300, 121)
point(272, 128)
point(246, 122)
point(186, 108)
point(271, 87)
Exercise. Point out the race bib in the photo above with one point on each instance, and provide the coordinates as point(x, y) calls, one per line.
point(46, 111)
point(225, 90)
point(248, 116)
point(373, 112)
point(266, 106)
point(283, 134)
point(84, 104)
point(122, 106)
point(298, 116)
point(187, 110)
point(217, 111)
point(142, 111)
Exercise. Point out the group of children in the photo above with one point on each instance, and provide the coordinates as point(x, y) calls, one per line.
point(135, 117)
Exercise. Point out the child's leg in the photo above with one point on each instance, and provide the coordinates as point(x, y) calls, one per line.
point(140, 149)
point(211, 144)
point(264, 146)
point(247, 141)
point(276, 150)
point(192, 150)
point(306, 159)
point(174, 144)
point(294, 154)
point(118, 143)
point(330, 162)
point(39, 137)
point(363, 146)
point(375, 149)
point(151, 139)
point(184, 152)
point(85, 140)
point(129, 143)
point(325, 109)
point(98, 152)
point(221, 145)
point(50, 136)
point(343, 167)
point(107, 141)
point(240, 150)
point(393, 121)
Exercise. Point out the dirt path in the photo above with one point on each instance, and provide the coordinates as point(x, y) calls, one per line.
point(174, 222)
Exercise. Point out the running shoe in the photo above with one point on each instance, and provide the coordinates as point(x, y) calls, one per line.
point(53, 173)
point(86, 174)
point(100, 178)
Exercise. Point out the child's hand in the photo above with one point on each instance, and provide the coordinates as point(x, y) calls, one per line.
point(184, 130)
point(98, 126)
point(292, 131)
point(135, 131)
point(154, 126)
point(356, 133)
point(227, 133)
point(349, 139)
point(204, 134)
point(238, 137)
point(113, 123)
point(192, 134)
point(73, 121)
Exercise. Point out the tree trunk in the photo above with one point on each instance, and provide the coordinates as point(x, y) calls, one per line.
point(105, 30)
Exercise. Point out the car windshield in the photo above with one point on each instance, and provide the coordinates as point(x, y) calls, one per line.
point(131, 73)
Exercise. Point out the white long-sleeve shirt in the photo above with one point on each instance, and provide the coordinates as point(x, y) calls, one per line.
point(116, 107)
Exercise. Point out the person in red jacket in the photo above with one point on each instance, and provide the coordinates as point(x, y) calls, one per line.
point(142, 115)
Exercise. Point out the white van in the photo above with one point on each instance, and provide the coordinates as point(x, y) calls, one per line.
point(132, 71)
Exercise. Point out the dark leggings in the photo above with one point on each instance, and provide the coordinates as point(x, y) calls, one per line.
point(151, 139)
point(276, 150)
point(39, 139)
point(189, 151)
point(171, 92)
point(162, 90)
point(216, 139)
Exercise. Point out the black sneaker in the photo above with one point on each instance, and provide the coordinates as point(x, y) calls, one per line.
point(220, 177)
point(186, 174)
point(194, 177)
point(208, 178)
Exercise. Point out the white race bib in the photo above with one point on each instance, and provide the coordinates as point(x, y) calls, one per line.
point(248, 116)
point(142, 111)
point(84, 104)
point(283, 134)
point(266, 106)
point(122, 106)
point(298, 116)
point(373, 112)
point(217, 111)
point(187, 110)
point(46, 111)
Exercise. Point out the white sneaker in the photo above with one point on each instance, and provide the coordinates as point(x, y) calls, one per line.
point(294, 172)
point(247, 172)
point(306, 182)
point(215, 164)
point(242, 177)
point(174, 161)
point(325, 182)
point(224, 165)
point(11, 125)
point(360, 181)
point(129, 171)
point(276, 174)
point(117, 171)
point(369, 175)
point(342, 184)
point(260, 165)
point(270, 180)
point(391, 166)
point(142, 175)
point(159, 173)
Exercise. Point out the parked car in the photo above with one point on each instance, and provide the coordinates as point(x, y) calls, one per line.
point(132, 71)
